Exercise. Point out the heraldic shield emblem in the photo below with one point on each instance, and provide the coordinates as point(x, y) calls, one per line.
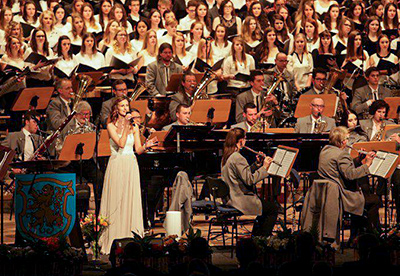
point(48, 208)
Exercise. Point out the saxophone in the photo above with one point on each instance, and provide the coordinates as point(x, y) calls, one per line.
point(263, 122)
point(320, 125)
point(379, 134)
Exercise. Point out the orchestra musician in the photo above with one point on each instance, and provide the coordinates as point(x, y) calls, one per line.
point(160, 71)
point(256, 95)
point(59, 107)
point(309, 124)
point(250, 114)
point(184, 95)
point(336, 165)
point(242, 179)
point(183, 113)
point(119, 89)
point(318, 80)
point(366, 95)
point(375, 126)
point(26, 141)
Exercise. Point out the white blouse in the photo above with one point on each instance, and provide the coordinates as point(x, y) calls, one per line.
point(299, 67)
point(229, 68)
point(95, 61)
point(221, 52)
point(67, 65)
point(147, 59)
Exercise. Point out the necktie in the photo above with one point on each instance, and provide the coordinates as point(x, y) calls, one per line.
point(376, 95)
point(258, 103)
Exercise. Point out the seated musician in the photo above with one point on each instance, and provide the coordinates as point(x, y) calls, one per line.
point(366, 95)
point(375, 126)
point(242, 179)
point(287, 86)
point(318, 80)
point(119, 88)
point(336, 165)
point(250, 114)
point(256, 95)
point(187, 89)
point(312, 123)
point(26, 141)
point(159, 72)
point(59, 107)
point(183, 112)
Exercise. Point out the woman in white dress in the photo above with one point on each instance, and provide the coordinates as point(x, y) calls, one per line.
point(109, 36)
point(221, 45)
point(150, 49)
point(61, 24)
point(139, 35)
point(179, 49)
point(67, 63)
point(121, 201)
point(89, 55)
point(47, 21)
point(92, 26)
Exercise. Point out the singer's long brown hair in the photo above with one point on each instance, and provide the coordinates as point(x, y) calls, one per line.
point(114, 109)
point(232, 138)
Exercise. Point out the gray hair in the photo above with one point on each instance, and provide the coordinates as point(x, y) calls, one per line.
point(82, 106)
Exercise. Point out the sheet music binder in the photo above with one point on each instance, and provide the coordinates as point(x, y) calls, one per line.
point(383, 164)
point(283, 161)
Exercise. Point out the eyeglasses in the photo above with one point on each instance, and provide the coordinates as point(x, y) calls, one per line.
point(320, 79)
point(122, 35)
point(318, 105)
point(40, 36)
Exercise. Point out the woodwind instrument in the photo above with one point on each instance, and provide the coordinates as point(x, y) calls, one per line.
point(357, 150)
point(261, 154)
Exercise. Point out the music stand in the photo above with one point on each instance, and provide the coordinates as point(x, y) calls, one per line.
point(279, 130)
point(161, 135)
point(303, 105)
point(394, 103)
point(103, 147)
point(140, 105)
point(39, 96)
point(6, 157)
point(176, 78)
point(188, 133)
point(221, 110)
point(389, 127)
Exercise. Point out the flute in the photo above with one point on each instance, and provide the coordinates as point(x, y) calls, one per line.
point(260, 154)
point(363, 152)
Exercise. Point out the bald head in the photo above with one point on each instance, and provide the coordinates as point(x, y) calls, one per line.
point(281, 61)
point(317, 107)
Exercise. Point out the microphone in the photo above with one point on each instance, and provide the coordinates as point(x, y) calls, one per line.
point(131, 120)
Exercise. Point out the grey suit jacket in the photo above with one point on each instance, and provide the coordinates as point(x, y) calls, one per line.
point(56, 112)
point(363, 94)
point(367, 126)
point(168, 127)
point(241, 125)
point(393, 131)
point(155, 77)
point(311, 92)
point(177, 99)
point(105, 111)
point(289, 79)
point(16, 142)
point(336, 165)
point(304, 124)
point(241, 179)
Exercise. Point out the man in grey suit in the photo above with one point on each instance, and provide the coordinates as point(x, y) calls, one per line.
point(308, 124)
point(160, 71)
point(374, 127)
point(318, 80)
point(119, 89)
point(183, 113)
point(59, 109)
point(250, 115)
point(189, 84)
point(337, 166)
point(366, 95)
point(26, 141)
point(256, 95)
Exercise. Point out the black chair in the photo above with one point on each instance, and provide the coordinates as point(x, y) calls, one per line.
point(225, 215)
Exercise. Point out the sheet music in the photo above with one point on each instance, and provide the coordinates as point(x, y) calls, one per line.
point(386, 164)
point(278, 157)
point(281, 163)
point(286, 162)
point(378, 160)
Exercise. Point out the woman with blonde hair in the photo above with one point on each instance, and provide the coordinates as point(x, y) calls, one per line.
point(14, 54)
point(109, 35)
point(92, 26)
point(78, 29)
point(76, 8)
point(180, 53)
point(47, 21)
point(170, 25)
point(149, 51)
point(196, 34)
point(6, 17)
point(122, 49)
point(300, 63)
point(237, 62)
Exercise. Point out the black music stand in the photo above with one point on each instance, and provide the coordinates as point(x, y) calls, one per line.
point(6, 156)
point(187, 133)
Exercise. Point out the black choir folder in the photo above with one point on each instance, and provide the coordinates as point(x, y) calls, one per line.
point(283, 161)
point(383, 164)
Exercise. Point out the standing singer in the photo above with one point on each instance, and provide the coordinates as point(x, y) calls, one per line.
point(242, 179)
point(121, 200)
